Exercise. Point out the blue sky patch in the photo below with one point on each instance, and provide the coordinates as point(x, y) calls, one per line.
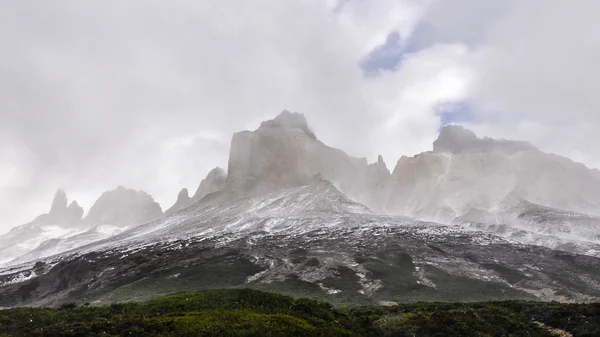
point(455, 112)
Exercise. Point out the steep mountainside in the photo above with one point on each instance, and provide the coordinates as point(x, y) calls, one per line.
point(309, 240)
point(278, 156)
point(465, 172)
point(214, 182)
point(61, 220)
point(63, 228)
point(294, 215)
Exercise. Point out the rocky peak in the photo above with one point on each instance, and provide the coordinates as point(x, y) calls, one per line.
point(286, 119)
point(457, 139)
point(59, 203)
point(214, 182)
point(75, 211)
point(183, 201)
point(283, 153)
point(60, 214)
point(183, 195)
point(123, 207)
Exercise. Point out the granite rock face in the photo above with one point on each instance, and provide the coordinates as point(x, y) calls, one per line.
point(457, 139)
point(183, 201)
point(466, 173)
point(275, 158)
point(462, 175)
point(214, 182)
point(292, 120)
point(123, 207)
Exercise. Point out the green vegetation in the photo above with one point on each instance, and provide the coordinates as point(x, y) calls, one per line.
point(246, 312)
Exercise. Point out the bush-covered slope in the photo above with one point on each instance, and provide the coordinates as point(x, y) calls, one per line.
point(245, 312)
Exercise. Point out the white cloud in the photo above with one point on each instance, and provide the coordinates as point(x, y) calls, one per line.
point(147, 94)
point(115, 92)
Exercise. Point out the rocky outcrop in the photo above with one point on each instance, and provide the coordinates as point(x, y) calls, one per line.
point(292, 120)
point(214, 182)
point(59, 203)
point(61, 220)
point(465, 173)
point(123, 207)
point(457, 139)
point(273, 158)
point(436, 186)
point(183, 201)
point(378, 178)
point(60, 214)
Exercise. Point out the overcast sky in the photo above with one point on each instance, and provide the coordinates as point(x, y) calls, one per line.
point(146, 94)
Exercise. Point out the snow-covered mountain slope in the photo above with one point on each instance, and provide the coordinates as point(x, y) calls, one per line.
point(26, 238)
point(57, 245)
point(64, 227)
point(310, 240)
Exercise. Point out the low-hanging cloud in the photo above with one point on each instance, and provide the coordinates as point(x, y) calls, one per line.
point(147, 94)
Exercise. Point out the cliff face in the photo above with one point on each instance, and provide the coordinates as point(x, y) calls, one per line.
point(214, 182)
point(463, 172)
point(273, 158)
point(466, 173)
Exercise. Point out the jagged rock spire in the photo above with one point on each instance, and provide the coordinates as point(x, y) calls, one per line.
point(59, 203)
point(183, 201)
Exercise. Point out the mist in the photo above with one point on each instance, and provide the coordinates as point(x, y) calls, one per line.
point(147, 94)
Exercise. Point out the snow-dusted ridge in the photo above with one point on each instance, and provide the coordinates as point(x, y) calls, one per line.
point(311, 234)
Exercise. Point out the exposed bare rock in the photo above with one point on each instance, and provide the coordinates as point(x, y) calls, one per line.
point(456, 139)
point(288, 119)
point(59, 203)
point(214, 182)
point(183, 201)
point(61, 215)
point(123, 207)
point(61, 220)
point(271, 159)
point(465, 172)
point(75, 211)
point(378, 178)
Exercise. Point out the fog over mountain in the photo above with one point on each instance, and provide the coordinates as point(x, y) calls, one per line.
point(474, 219)
point(147, 95)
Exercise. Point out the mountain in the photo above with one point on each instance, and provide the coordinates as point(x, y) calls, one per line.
point(310, 240)
point(474, 219)
point(123, 207)
point(183, 201)
point(214, 182)
point(64, 227)
point(281, 155)
point(508, 188)
point(60, 220)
